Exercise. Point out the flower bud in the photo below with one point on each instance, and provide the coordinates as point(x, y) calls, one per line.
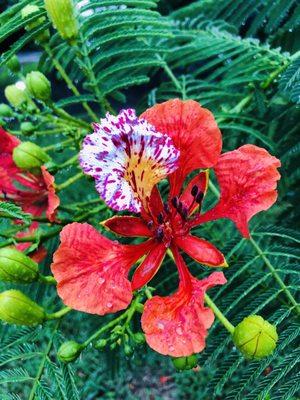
point(5, 111)
point(13, 64)
point(62, 15)
point(139, 338)
point(38, 85)
point(69, 351)
point(254, 337)
point(128, 350)
point(27, 127)
point(185, 363)
point(17, 267)
point(15, 96)
point(29, 156)
point(100, 344)
point(25, 13)
point(17, 308)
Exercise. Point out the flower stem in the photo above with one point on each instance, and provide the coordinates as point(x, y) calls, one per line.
point(59, 314)
point(49, 280)
point(67, 117)
point(218, 313)
point(276, 276)
point(69, 182)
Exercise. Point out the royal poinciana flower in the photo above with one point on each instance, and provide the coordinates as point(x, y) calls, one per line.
point(128, 156)
point(34, 193)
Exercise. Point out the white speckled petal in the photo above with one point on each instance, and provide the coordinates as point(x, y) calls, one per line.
point(127, 157)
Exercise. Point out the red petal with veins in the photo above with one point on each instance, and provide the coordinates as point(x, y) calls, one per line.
point(127, 226)
point(148, 268)
point(177, 325)
point(91, 270)
point(201, 181)
point(7, 142)
point(194, 132)
point(201, 251)
point(53, 199)
point(248, 180)
point(38, 255)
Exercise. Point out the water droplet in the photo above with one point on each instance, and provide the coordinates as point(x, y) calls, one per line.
point(160, 325)
point(101, 281)
point(179, 330)
point(109, 305)
point(171, 348)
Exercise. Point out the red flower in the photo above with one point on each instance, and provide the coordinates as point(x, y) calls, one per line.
point(35, 194)
point(39, 254)
point(128, 156)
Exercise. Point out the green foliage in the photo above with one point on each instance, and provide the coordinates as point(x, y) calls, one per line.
point(237, 58)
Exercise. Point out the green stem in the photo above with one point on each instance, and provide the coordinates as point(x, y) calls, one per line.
point(59, 144)
point(48, 280)
point(218, 313)
point(69, 82)
point(58, 314)
point(67, 117)
point(69, 181)
point(276, 276)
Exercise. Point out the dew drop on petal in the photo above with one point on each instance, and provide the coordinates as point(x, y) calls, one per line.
point(109, 305)
point(179, 330)
point(160, 326)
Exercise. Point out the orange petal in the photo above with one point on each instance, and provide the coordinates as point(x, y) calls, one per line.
point(53, 199)
point(248, 180)
point(194, 132)
point(91, 270)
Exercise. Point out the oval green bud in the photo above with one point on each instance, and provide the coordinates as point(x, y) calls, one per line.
point(13, 64)
point(185, 363)
point(38, 85)
point(5, 111)
point(100, 344)
point(139, 338)
point(17, 308)
point(62, 15)
point(254, 337)
point(17, 267)
point(29, 156)
point(15, 96)
point(128, 350)
point(69, 351)
point(27, 127)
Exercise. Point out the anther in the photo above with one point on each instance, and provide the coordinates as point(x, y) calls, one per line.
point(150, 224)
point(166, 208)
point(160, 218)
point(184, 213)
point(159, 233)
point(194, 190)
point(199, 197)
point(175, 202)
point(180, 207)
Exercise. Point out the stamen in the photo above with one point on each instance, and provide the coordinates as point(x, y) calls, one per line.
point(150, 224)
point(175, 202)
point(180, 207)
point(184, 213)
point(199, 197)
point(159, 234)
point(166, 208)
point(160, 218)
point(194, 190)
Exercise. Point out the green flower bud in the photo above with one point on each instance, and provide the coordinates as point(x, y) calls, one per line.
point(27, 127)
point(255, 337)
point(17, 267)
point(17, 308)
point(29, 156)
point(38, 85)
point(128, 350)
point(100, 344)
point(13, 64)
point(185, 363)
point(5, 111)
point(15, 96)
point(62, 15)
point(139, 338)
point(69, 351)
point(25, 13)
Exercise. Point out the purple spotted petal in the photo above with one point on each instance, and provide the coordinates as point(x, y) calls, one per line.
point(127, 157)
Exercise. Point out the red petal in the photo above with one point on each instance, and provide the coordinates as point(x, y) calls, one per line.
point(194, 132)
point(7, 142)
point(201, 251)
point(201, 181)
point(53, 199)
point(91, 270)
point(40, 254)
point(177, 325)
point(248, 179)
point(148, 268)
point(127, 226)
